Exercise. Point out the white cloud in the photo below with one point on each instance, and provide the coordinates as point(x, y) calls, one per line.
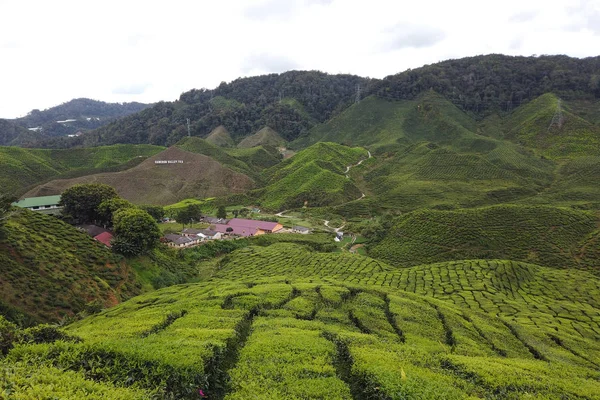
point(149, 51)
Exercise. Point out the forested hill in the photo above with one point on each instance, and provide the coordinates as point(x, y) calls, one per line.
point(73, 116)
point(290, 103)
point(293, 102)
point(497, 83)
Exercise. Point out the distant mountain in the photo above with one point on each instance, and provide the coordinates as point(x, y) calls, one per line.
point(492, 83)
point(290, 103)
point(12, 134)
point(75, 116)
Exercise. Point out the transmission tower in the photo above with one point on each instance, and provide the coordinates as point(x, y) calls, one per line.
point(357, 99)
point(188, 126)
point(557, 119)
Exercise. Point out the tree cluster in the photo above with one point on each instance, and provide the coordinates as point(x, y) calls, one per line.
point(136, 230)
point(497, 83)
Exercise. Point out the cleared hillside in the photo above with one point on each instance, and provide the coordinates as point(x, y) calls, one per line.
point(287, 322)
point(51, 270)
point(151, 183)
point(549, 236)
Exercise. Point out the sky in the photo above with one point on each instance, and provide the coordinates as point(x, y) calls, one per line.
point(147, 51)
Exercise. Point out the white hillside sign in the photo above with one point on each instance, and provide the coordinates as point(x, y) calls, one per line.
point(168, 162)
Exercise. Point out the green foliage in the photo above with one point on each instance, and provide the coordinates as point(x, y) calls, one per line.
point(493, 83)
point(315, 176)
point(81, 202)
point(50, 270)
point(157, 212)
point(28, 381)
point(221, 212)
point(8, 332)
point(288, 322)
point(553, 237)
point(25, 167)
point(107, 208)
point(136, 231)
point(265, 137)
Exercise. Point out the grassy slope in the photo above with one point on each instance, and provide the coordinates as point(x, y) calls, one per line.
point(373, 122)
point(315, 175)
point(530, 125)
point(288, 322)
point(447, 164)
point(554, 237)
point(25, 167)
point(430, 154)
point(50, 269)
point(264, 137)
point(220, 137)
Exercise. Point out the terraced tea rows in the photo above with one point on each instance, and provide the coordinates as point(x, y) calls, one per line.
point(549, 236)
point(284, 322)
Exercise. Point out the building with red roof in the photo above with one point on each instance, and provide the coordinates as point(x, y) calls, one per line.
point(249, 224)
point(104, 238)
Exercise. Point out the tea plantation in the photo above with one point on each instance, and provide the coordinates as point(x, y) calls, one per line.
point(285, 322)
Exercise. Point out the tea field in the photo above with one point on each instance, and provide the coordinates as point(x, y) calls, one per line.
point(282, 321)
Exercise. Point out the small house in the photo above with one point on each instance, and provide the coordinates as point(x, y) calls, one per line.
point(209, 234)
point(301, 229)
point(105, 238)
point(180, 241)
point(42, 204)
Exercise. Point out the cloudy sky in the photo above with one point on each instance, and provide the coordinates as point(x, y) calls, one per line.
point(130, 50)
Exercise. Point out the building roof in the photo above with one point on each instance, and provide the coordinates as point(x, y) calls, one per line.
point(38, 201)
point(192, 231)
point(93, 230)
point(237, 230)
point(178, 239)
point(300, 228)
point(213, 220)
point(208, 232)
point(105, 238)
point(254, 224)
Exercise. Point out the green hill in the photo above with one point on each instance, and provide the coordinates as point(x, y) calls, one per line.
point(51, 270)
point(547, 124)
point(220, 137)
point(442, 162)
point(201, 146)
point(264, 137)
point(314, 177)
point(12, 134)
point(25, 167)
point(282, 321)
point(373, 122)
point(549, 236)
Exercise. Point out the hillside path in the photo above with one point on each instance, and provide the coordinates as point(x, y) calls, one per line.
point(326, 223)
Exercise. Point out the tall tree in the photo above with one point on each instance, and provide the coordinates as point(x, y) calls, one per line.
point(136, 231)
point(221, 212)
point(107, 208)
point(5, 209)
point(81, 201)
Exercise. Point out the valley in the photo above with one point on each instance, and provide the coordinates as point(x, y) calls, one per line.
point(446, 241)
